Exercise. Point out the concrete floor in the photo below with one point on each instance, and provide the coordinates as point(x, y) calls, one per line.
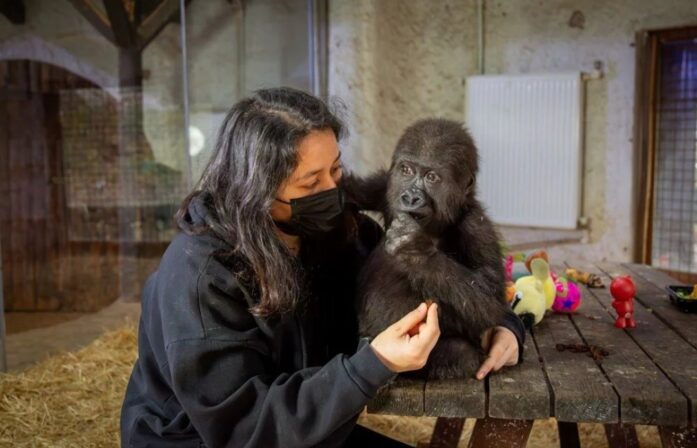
point(20, 321)
point(30, 341)
point(524, 238)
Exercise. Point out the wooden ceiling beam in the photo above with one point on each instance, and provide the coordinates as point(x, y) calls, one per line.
point(121, 26)
point(151, 26)
point(14, 10)
point(95, 17)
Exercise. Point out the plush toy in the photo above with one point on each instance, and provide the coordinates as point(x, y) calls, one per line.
point(588, 279)
point(550, 289)
point(515, 266)
point(508, 268)
point(510, 291)
point(568, 296)
point(529, 301)
point(538, 254)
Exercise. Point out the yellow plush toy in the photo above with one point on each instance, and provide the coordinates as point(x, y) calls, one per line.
point(530, 301)
point(550, 289)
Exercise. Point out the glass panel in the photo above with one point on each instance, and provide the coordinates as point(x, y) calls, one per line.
point(235, 48)
point(93, 148)
point(91, 153)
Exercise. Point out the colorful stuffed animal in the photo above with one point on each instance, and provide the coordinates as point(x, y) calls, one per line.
point(529, 301)
point(548, 285)
point(568, 296)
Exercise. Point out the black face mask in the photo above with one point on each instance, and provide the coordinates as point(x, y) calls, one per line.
point(315, 214)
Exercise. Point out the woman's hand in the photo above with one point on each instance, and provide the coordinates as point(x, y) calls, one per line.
point(502, 347)
point(401, 352)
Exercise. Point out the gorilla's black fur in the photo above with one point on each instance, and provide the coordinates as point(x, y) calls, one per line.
point(439, 244)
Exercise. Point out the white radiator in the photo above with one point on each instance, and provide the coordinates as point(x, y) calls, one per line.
point(528, 131)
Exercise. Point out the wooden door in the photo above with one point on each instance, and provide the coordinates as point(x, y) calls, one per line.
point(32, 198)
point(665, 138)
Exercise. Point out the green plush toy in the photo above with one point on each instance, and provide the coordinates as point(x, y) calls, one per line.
point(529, 301)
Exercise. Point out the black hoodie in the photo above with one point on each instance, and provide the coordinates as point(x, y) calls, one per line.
point(209, 373)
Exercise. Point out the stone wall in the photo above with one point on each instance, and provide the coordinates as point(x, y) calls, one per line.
point(394, 61)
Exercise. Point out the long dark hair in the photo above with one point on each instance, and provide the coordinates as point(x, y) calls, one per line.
point(255, 152)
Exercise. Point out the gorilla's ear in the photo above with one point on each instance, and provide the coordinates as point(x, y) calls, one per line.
point(469, 189)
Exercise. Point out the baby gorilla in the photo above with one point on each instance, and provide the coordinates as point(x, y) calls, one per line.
point(439, 245)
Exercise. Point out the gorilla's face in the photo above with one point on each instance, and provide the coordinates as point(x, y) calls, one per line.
point(432, 173)
point(414, 188)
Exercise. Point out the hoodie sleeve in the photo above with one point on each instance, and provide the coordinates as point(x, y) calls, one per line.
point(224, 384)
point(513, 323)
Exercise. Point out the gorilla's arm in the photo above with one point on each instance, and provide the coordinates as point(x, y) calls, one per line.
point(466, 290)
point(367, 192)
point(478, 245)
point(472, 286)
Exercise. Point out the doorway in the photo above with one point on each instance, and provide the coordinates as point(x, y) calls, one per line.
point(666, 136)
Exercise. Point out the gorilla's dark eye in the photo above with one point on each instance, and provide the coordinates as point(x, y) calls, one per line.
point(407, 171)
point(432, 177)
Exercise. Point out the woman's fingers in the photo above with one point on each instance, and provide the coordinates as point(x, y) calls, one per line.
point(429, 331)
point(512, 358)
point(410, 320)
point(504, 351)
point(486, 338)
point(400, 353)
point(495, 354)
point(502, 359)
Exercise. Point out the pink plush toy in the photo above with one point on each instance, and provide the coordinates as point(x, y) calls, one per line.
point(508, 268)
point(568, 296)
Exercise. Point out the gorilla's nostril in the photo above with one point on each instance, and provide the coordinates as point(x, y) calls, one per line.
point(412, 200)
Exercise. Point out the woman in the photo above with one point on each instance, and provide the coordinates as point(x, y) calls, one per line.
point(247, 335)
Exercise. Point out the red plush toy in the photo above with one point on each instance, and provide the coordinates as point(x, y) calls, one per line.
point(623, 290)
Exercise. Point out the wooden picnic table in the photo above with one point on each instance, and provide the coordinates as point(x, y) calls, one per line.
point(649, 376)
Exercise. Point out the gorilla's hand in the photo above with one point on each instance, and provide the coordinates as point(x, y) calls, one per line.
point(405, 239)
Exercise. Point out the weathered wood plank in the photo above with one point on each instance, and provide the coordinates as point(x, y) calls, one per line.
point(465, 398)
point(654, 296)
point(520, 392)
point(647, 396)
point(590, 400)
point(655, 276)
point(403, 396)
point(461, 397)
point(493, 432)
point(669, 351)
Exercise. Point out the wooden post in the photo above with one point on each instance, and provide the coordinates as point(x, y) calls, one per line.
point(447, 432)
point(3, 357)
point(621, 435)
point(568, 435)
